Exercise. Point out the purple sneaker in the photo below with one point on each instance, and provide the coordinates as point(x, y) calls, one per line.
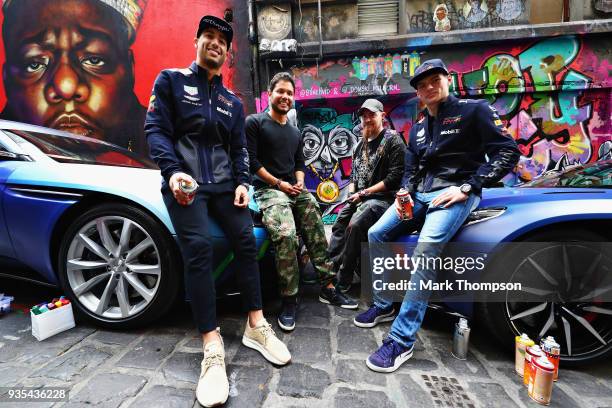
point(389, 357)
point(373, 316)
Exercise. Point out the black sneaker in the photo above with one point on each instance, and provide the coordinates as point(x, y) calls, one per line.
point(343, 288)
point(331, 296)
point(286, 318)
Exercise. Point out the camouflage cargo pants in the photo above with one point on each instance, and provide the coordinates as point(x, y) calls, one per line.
point(279, 210)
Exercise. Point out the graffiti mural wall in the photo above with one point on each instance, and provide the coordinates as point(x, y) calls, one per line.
point(88, 66)
point(553, 94)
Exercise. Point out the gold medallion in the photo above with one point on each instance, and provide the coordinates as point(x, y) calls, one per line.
point(328, 191)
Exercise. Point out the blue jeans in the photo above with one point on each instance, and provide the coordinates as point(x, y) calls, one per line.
point(438, 226)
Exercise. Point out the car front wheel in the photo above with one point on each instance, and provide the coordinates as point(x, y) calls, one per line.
point(582, 328)
point(119, 265)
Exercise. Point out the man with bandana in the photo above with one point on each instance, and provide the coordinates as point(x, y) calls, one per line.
point(69, 66)
point(195, 131)
point(377, 169)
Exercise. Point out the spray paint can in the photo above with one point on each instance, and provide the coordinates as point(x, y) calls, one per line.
point(380, 65)
point(356, 67)
point(461, 339)
point(397, 64)
point(552, 351)
point(363, 68)
point(405, 200)
point(189, 188)
point(541, 382)
point(521, 343)
point(388, 65)
point(531, 354)
point(372, 65)
point(415, 61)
point(405, 65)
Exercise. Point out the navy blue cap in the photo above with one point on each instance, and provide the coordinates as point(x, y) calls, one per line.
point(427, 68)
point(218, 24)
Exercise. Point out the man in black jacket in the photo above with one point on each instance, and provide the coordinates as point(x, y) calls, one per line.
point(378, 165)
point(195, 131)
point(456, 148)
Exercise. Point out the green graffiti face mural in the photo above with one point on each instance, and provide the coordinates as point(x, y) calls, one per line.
point(327, 139)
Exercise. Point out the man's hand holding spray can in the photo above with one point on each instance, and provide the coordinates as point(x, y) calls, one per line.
point(189, 187)
point(404, 204)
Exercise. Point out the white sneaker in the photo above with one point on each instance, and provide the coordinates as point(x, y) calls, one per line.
point(263, 339)
point(213, 387)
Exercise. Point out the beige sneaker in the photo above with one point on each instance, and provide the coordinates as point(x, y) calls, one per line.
point(213, 388)
point(263, 339)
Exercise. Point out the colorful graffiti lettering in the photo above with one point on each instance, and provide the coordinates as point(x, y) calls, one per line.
point(541, 108)
point(553, 95)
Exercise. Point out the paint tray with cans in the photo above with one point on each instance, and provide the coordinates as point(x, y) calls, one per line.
point(49, 319)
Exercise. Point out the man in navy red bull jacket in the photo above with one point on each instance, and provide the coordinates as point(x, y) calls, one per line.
point(456, 148)
point(195, 132)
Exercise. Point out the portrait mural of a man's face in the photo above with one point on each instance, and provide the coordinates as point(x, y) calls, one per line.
point(69, 66)
point(73, 64)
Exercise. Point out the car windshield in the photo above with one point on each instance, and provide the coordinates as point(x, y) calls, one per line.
point(595, 175)
point(75, 149)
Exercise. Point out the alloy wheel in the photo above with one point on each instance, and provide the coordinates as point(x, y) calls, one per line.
point(113, 267)
point(574, 313)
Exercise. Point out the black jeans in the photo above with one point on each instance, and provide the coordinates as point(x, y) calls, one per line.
point(191, 225)
point(349, 231)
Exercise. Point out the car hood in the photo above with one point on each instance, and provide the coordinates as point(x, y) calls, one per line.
point(138, 185)
point(494, 197)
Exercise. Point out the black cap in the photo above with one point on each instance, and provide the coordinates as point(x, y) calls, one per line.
point(427, 68)
point(373, 105)
point(218, 24)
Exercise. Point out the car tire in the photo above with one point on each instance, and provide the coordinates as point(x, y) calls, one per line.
point(119, 266)
point(502, 321)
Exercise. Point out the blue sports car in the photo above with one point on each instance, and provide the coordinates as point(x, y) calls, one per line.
point(88, 216)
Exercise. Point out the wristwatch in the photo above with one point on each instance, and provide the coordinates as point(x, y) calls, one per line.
point(466, 188)
point(246, 185)
point(278, 183)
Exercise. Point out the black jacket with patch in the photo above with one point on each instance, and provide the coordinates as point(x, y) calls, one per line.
point(453, 153)
point(196, 126)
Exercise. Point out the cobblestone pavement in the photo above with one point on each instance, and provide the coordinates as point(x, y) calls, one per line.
point(159, 366)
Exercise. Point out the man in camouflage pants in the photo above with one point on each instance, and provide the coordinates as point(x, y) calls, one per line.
point(277, 162)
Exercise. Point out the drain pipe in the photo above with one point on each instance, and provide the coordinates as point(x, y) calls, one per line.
point(254, 49)
point(320, 30)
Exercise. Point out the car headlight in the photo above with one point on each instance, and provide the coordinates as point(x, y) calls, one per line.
point(484, 214)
